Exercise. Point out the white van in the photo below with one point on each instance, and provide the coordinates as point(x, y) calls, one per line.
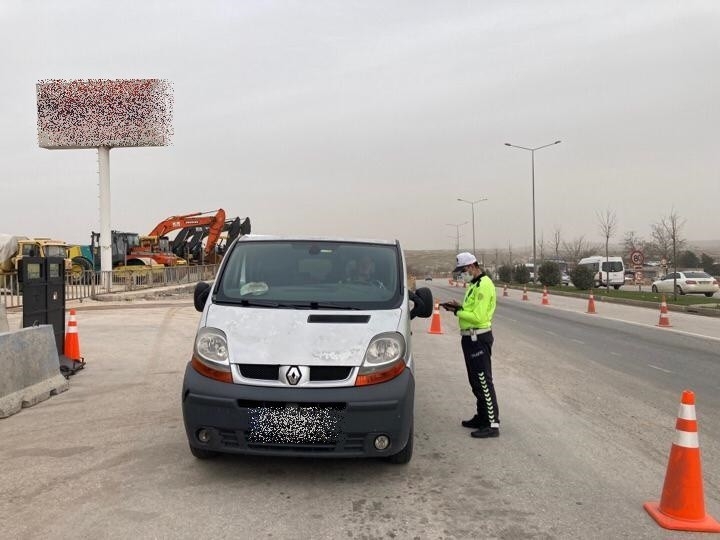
point(605, 269)
point(304, 349)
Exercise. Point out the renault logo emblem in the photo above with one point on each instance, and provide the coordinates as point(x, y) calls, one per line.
point(293, 375)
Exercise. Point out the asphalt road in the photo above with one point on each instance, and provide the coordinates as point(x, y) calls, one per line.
point(587, 405)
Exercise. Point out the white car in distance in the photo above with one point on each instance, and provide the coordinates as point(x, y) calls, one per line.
point(687, 283)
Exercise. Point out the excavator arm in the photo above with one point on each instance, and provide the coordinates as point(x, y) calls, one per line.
point(215, 221)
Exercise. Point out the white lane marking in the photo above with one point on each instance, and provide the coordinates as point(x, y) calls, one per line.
point(646, 325)
point(551, 333)
point(660, 369)
point(615, 353)
point(577, 341)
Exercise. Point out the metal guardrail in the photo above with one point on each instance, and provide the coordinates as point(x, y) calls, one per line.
point(124, 279)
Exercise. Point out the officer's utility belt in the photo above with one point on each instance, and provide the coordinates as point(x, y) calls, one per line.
point(474, 331)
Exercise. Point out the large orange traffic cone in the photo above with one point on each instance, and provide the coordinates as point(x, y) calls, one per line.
point(664, 317)
point(545, 298)
point(663, 305)
point(72, 339)
point(70, 360)
point(505, 292)
point(591, 304)
point(435, 326)
point(525, 296)
point(682, 505)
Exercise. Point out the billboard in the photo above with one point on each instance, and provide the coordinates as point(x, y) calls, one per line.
point(102, 112)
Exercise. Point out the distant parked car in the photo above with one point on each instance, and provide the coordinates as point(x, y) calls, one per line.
point(565, 278)
point(687, 283)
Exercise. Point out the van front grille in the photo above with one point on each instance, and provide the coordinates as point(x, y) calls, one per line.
point(317, 373)
point(259, 371)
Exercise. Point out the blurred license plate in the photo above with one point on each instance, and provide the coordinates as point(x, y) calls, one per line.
point(293, 425)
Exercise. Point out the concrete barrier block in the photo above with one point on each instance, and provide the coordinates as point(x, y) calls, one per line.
point(4, 326)
point(29, 368)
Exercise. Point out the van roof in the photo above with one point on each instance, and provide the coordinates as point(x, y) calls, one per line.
point(602, 258)
point(297, 238)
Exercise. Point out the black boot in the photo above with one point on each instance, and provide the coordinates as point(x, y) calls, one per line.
point(486, 433)
point(474, 423)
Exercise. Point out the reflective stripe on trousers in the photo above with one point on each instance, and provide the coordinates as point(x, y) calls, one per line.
point(478, 363)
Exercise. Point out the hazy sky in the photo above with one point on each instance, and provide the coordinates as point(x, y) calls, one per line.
point(371, 118)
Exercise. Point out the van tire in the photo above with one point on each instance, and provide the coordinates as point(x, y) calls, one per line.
point(405, 455)
point(616, 287)
point(202, 454)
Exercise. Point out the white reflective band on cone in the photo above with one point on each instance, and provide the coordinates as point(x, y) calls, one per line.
point(72, 330)
point(686, 439)
point(687, 412)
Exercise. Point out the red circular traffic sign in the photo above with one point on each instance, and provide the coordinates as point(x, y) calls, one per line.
point(637, 257)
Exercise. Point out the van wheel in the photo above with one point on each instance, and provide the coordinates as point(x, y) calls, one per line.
point(709, 294)
point(405, 455)
point(202, 454)
point(616, 287)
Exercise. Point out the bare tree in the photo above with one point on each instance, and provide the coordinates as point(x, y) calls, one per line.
point(632, 241)
point(671, 226)
point(608, 227)
point(661, 242)
point(577, 249)
point(557, 242)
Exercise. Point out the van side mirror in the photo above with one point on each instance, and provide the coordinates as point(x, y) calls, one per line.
point(200, 295)
point(422, 303)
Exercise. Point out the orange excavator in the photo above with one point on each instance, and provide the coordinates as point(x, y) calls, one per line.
point(214, 221)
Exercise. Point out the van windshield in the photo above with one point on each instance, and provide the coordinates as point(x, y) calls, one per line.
point(612, 266)
point(311, 275)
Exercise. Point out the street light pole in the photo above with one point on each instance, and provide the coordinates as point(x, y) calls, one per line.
point(472, 204)
point(457, 232)
point(532, 153)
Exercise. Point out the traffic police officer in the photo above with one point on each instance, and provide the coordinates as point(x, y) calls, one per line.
point(475, 319)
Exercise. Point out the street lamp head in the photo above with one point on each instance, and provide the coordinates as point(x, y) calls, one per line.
point(508, 144)
point(557, 142)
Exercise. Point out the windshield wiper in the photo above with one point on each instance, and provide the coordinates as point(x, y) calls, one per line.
point(265, 303)
point(321, 305)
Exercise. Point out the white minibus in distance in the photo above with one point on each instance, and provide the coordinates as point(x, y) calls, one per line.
point(605, 269)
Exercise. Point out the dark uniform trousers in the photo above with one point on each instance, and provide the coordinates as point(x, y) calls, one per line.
point(479, 369)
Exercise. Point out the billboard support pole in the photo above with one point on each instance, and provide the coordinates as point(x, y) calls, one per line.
point(105, 238)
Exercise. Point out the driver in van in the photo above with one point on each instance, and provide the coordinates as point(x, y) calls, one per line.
point(362, 271)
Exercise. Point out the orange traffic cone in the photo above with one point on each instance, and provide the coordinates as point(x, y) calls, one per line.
point(664, 317)
point(525, 296)
point(663, 305)
point(72, 339)
point(435, 326)
point(682, 505)
point(591, 304)
point(545, 299)
point(505, 293)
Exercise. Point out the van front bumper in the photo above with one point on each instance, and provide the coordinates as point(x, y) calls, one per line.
point(316, 422)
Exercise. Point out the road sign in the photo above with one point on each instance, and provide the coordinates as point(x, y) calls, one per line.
point(663, 263)
point(638, 277)
point(637, 257)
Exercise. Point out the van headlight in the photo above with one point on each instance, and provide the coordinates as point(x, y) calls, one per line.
point(211, 347)
point(384, 359)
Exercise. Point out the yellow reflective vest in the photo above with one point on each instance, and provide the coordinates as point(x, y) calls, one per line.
point(478, 306)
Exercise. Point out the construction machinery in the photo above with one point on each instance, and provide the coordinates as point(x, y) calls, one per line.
point(13, 249)
point(193, 230)
point(127, 251)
